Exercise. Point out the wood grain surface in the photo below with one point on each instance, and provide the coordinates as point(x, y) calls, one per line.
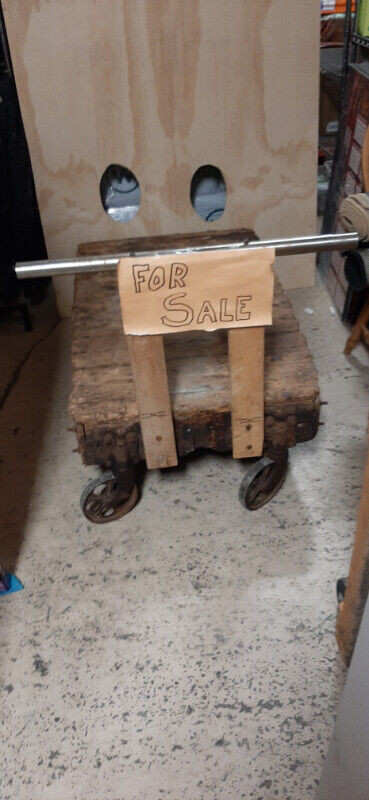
point(162, 87)
point(152, 394)
point(246, 364)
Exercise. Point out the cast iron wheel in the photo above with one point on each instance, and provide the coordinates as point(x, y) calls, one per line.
point(104, 499)
point(262, 481)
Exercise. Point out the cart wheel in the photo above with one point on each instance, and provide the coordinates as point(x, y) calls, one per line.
point(105, 499)
point(262, 481)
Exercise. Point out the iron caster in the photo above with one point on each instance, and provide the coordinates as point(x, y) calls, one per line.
point(262, 481)
point(106, 499)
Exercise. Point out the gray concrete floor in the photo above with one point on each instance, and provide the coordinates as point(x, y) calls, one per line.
point(186, 651)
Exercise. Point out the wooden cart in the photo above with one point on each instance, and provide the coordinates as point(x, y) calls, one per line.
point(103, 401)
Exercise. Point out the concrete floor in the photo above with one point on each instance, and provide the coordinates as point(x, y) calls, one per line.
point(186, 651)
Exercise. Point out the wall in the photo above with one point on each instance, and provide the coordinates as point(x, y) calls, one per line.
point(163, 86)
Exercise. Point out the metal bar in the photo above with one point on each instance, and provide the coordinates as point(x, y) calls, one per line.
point(355, 35)
point(283, 247)
point(311, 244)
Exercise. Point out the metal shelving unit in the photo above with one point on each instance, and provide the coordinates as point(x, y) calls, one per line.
point(363, 41)
point(351, 44)
point(356, 38)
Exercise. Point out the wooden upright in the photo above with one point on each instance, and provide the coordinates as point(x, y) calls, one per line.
point(246, 360)
point(150, 377)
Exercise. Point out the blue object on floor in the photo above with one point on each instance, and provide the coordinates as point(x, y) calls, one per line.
point(14, 585)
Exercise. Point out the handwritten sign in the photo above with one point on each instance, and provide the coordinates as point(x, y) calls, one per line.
point(197, 291)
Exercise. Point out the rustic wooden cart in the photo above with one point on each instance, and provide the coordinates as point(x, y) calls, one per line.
point(103, 401)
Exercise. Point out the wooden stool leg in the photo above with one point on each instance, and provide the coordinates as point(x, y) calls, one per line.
point(357, 330)
point(150, 378)
point(246, 359)
point(352, 607)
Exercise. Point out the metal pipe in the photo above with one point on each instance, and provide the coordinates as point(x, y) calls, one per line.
point(283, 247)
point(311, 244)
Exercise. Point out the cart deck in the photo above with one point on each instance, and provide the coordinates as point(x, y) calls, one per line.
point(103, 403)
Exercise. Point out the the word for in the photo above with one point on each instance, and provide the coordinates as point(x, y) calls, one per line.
point(156, 278)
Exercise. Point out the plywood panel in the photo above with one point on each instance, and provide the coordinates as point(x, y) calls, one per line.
point(163, 86)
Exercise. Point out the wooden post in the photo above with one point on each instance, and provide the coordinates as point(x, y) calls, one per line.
point(246, 359)
point(359, 330)
point(150, 378)
point(352, 607)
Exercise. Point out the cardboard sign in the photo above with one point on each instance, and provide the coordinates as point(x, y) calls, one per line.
point(197, 291)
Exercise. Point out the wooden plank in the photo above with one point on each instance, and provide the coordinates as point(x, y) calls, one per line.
point(246, 359)
point(147, 362)
point(151, 384)
point(199, 387)
point(170, 241)
point(162, 87)
point(357, 329)
point(352, 606)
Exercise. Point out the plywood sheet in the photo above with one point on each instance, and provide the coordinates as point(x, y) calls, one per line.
point(162, 87)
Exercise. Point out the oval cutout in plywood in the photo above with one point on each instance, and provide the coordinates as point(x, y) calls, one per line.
point(208, 192)
point(120, 193)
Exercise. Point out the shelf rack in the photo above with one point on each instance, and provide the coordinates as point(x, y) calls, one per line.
point(363, 41)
